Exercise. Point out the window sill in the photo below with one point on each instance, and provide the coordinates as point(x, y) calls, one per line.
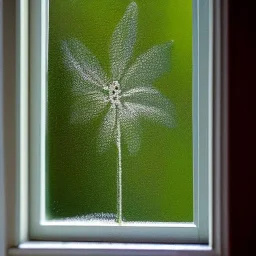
point(109, 249)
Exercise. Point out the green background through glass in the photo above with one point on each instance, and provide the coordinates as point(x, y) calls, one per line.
point(158, 180)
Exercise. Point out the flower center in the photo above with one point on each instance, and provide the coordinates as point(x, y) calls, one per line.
point(114, 93)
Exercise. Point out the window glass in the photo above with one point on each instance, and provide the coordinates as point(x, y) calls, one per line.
point(119, 111)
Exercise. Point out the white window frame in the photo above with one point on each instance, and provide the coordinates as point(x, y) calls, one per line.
point(16, 157)
point(194, 232)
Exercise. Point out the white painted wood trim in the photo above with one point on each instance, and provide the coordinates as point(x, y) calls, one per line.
point(22, 96)
point(219, 239)
point(52, 249)
point(197, 232)
point(2, 176)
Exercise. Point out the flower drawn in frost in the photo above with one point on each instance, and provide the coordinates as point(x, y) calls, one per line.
point(127, 95)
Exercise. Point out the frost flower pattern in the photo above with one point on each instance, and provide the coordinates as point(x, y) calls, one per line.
point(127, 95)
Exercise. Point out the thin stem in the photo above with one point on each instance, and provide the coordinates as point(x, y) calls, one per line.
point(119, 175)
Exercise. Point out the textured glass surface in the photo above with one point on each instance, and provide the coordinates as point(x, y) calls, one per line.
point(119, 104)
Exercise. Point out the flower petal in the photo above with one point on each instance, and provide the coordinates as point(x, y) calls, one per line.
point(140, 91)
point(87, 107)
point(130, 128)
point(123, 40)
point(79, 59)
point(148, 66)
point(81, 87)
point(152, 113)
point(149, 96)
point(107, 134)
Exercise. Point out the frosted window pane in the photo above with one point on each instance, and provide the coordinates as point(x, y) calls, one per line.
point(119, 123)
